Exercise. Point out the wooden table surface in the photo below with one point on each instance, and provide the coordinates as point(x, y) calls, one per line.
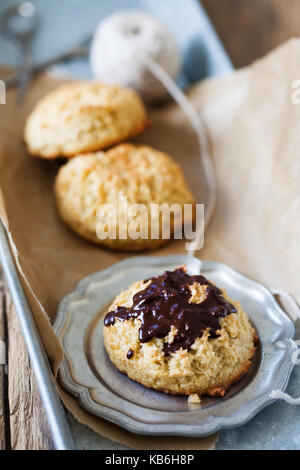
point(248, 29)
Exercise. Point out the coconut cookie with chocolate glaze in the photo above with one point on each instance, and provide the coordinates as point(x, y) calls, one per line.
point(179, 334)
point(82, 117)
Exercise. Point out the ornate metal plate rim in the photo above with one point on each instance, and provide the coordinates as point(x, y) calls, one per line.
point(212, 423)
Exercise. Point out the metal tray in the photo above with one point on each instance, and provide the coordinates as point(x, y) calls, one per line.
point(216, 62)
point(87, 373)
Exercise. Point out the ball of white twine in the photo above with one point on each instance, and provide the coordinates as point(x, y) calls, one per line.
point(120, 45)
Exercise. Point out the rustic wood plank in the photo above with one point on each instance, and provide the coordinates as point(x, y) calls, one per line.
point(2, 377)
point(250, 29)
point(2, 432)
point(28, 425)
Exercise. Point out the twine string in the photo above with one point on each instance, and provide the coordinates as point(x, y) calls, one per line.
point(198, 125)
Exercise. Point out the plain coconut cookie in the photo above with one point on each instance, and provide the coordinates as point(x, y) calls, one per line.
point(179, 334)
point(138, 174)
point(82, 117)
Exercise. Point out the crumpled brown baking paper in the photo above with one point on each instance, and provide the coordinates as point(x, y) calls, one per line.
point(254, 139)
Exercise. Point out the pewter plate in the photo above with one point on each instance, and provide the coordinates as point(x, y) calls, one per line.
point(87, 373)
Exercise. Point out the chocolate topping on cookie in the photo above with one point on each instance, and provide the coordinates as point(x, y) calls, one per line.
point(165, 302)
point(130, 353)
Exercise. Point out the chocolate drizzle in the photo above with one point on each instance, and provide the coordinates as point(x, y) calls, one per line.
point(130, 353)
point(165, 303)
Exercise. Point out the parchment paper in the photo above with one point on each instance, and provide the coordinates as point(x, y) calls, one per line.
point(254, 137)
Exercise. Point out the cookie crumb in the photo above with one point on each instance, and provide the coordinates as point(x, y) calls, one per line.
point(194, 398)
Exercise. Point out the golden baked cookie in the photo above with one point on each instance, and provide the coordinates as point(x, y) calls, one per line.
point(83, 117)
point(179, 334)
point(132, 181)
